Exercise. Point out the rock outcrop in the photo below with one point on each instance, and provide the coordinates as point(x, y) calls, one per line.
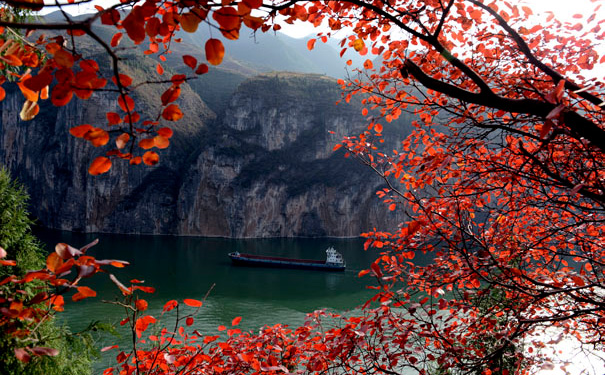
point(263, 168)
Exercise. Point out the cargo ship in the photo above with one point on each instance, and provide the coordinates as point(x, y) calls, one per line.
point(333, 262)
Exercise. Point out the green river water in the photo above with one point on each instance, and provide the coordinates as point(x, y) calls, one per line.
point(186, 267)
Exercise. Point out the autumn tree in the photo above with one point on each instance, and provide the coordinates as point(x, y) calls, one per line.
point(502, 179)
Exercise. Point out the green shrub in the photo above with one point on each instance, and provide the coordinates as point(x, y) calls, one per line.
point(75, 351)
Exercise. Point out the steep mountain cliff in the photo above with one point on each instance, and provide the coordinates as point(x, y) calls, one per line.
point(269, 169)
point(257, 162)
point(263, 168)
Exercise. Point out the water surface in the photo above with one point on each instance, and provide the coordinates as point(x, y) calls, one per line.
point(187, 267)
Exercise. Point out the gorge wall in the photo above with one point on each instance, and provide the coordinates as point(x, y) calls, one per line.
point(263, 167)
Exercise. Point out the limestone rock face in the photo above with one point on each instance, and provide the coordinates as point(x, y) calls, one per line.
point(262, 168)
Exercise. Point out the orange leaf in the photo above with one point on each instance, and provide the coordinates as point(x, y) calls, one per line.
point(190, 22)
point(190, 61)
point(165, 132)
point(151, 158)
point(253, 22)
point(359, 44)
point(172, 113)
point(122, 140)
point(30, 95)
point(161, 142)
point(227, 18)
point(99, 166)
point(192, 302)
point(146, 143)
point(236, 320)
point(11, 60)
point(97, 136)
point(116, 39)
point(83, 292)
point(53, 261)
point(215, 51)
point(3, 93)
point(141, 305)
point(136, 160)
point(311, 44)
point(57, 301)
point(159, 69)
point(80, 131)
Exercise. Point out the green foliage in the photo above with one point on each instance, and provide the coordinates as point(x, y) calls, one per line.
point(75, 351)
point(15, 234)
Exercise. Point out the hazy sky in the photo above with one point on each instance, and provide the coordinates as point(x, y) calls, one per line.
point(563, 9)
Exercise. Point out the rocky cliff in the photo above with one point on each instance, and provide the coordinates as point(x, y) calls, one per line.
point(263, 168)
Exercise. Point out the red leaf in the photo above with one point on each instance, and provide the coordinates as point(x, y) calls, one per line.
point(170, 305)
point(376, 268)
point(172, 113)
point(151, 158)
point(113, 118)
point(159, 69)
point(124, 80)
point(161, 142)
point(39, 350)
point(99, 166)
point(165, 132)
point(126, 103)
point(311, 44)
point(192, 302)
point(109, 348)
point(189, 321)
point(201, 69)
point(215, 51)
point(80, 131)
point(146, 143)
point(190, 61)
point(22, 355)
point(122, 140)
point(38, 82)
point(83, 292)
point(141, 305)
point(363, 273)
point(236, 320)
point(170, 95)
point(116, 39)
point(134, 26)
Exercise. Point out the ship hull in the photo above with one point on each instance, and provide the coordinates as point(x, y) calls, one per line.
point(275, 262)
